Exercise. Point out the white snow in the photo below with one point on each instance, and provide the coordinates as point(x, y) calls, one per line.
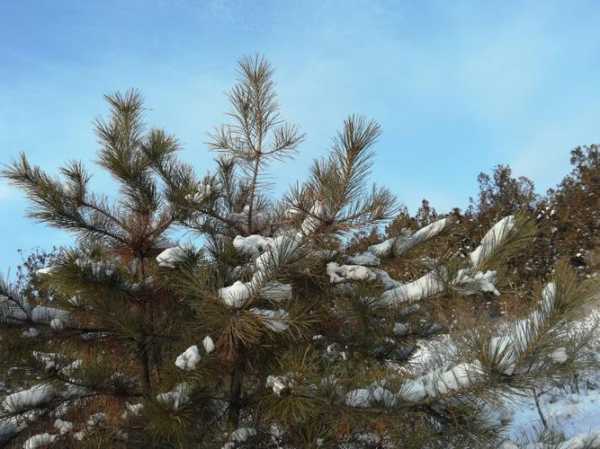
point(360, 398)
point(439, 382)
point(188, 359)
point(400, 329)
point(278, 384)
point(44, 314)
point(63, 427)
point(503, 354)
point(57, 324)
point(46, 270)
point(460, 376)
point(426, 286)
point(170, 256)
point(79, 436)
point(8, 428)
point(266, 264)
point(98, 267)
point(413, 390)
point(314, 219)
point(48, 359)
point(276, 291)
point(10, 310)
point(505, 349)
point(132, 409)
point(252, 245)
point(494, 237)
point(34, 397)
point(275, 320)
point(236, 294)
point(208, 344)
point(239, 436)
point(470, 283)
point(366, 397)
point(176, 397)
point(242, 434)
point(259, 219)
point(43, 439)
point(203, 192)
point(382, 249)
point(96, 419)
point(367, 259)
point(432, 284)
point(559, 355)
point(383, 396)
point(275, 252)
point(282, 249)
point(342, 273)
point(386, 280)
point(468, 280)
point(32, 332)
point(404, 244)
point(576, 415)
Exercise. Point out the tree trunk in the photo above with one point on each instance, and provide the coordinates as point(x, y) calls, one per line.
point(235, 395)
point(145, 362)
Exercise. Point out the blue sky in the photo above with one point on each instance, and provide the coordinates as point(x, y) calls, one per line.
point(457, 86)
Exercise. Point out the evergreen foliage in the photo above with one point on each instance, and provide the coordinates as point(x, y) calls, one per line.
point(279, 331)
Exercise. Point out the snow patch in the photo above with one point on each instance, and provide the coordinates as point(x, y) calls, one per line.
point(494, 237)
point(63, 427)
point(275, 320)
point(252, 245)
point(208, 344)
point(236, 294)
point(177, 397)
point(188, 359)
point(43, 439)
point(342, 273)
point(171, 256)
point(367, 259)
point(34, 397)
point(276, 292)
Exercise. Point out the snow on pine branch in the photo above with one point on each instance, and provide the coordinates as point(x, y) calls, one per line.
point(507, 349)
point(34, 397)
point(17, 311)
point(400, 245)
point(274, 320)
point(270, 254)
point(278, 251)
point(170, 256)
point(40, 440)
point(430, 385)
point(188, 359)
point(426, 286)
point(492, 240)
point(342, 273)
point(468, 280)
point(504, 353)
point(179, 396)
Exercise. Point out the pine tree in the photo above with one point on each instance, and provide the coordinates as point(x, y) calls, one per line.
point(270, 332)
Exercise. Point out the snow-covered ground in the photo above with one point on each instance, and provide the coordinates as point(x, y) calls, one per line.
point(567, 412)
point(572, 411)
